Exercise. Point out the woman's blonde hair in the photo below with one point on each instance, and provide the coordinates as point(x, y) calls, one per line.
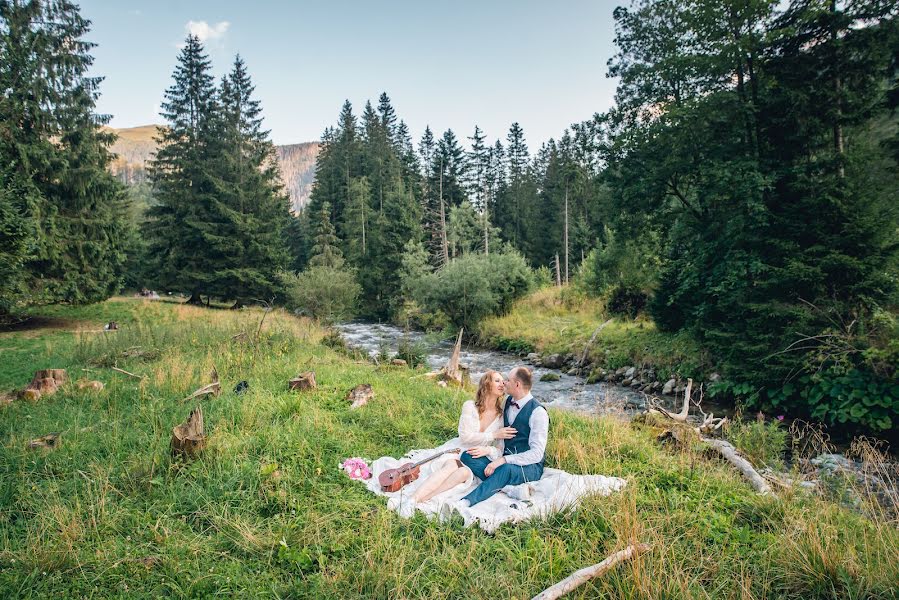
point(482, 397)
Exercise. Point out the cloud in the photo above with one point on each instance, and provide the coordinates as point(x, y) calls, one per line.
point(207, 32)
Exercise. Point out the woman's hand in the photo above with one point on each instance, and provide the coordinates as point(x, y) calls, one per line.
point(479, 451)
point(505, 433)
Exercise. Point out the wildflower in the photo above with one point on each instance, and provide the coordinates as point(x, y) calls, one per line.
point(780, 417)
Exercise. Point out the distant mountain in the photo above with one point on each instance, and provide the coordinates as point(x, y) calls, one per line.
point(135, 146)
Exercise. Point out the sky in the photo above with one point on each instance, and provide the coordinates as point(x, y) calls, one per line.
point(444, 64)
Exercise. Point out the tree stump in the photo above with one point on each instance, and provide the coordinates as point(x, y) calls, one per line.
point(94, 386)
point(49, 441)
point(45, 382)
point(304, 381)
point(360, 395)
point(30, 394)
point(399, 362)
point(188, 439)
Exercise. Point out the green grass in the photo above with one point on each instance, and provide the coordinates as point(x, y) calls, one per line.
point(551, 320)
point(266, 513)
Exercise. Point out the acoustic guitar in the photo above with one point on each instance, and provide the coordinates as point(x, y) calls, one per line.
point(393, 480)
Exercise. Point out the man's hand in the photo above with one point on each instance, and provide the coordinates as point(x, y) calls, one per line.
point(504, 433)
point(479, 451)
point(489, 469)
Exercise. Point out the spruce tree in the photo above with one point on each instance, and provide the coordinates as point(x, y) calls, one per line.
point(324, 251)
point(55, 186)
point(185, 225)
point(253, 203)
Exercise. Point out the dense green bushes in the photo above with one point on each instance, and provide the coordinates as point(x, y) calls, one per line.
point(324, 292)
point(469, 288)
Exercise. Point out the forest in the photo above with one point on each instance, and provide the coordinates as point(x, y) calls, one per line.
point(743, 190)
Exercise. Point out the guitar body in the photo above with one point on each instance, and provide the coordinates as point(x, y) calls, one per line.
point(393, 480)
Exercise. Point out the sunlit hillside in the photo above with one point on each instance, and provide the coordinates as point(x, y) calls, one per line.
point(135, 146)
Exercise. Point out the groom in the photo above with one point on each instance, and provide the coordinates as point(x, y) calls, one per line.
point(522, 459)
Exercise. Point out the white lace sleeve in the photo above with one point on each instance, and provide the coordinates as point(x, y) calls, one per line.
point(470, 433)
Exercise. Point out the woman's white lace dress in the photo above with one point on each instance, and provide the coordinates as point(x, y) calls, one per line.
point(471, 436)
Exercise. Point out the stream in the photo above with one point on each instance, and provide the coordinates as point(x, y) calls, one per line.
point(569, 392)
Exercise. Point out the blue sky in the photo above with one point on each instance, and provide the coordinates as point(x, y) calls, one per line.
point(443, 64)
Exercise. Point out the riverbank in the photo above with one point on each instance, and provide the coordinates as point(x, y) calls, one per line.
point(559, 323)
point(264, 511)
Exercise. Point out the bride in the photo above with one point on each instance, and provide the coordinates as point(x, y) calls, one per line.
point(481, 433)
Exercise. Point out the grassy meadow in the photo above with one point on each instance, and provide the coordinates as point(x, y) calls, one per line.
point(265, 512)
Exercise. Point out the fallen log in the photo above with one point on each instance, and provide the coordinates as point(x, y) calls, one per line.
point(188, 438)
point(730, 454)
point(304, 381)
point(360, 395)
point(584, 575)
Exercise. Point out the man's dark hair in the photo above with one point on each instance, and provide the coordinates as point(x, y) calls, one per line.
point(523, 374)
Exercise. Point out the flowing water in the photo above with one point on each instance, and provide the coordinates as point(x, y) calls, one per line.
point(570, 392)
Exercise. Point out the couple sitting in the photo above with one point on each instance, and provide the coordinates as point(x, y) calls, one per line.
point(504, 440)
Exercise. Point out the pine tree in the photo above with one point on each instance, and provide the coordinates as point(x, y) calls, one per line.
point(324, 251)
point(519, 194)
point(339, 161)
point(254, 203)
point(430, 197)
point(54, 158)
point(184, 229)
point(395, 226)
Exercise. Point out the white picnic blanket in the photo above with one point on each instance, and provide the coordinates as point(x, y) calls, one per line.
point(556, 491)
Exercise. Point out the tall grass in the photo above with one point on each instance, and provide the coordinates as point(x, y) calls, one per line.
point(265, 511)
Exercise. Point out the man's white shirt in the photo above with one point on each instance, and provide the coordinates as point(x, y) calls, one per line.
point(539, 423)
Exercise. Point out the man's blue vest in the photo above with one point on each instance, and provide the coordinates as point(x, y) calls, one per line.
point(522, 425)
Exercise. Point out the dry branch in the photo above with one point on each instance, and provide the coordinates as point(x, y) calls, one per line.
point(730, 454)
point(590, 343)
point(584, 575)
point(124, 372)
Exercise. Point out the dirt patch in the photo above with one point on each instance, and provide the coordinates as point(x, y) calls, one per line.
point(37, 324)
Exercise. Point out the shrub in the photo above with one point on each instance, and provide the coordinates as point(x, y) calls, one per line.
point(626, 301)
point(473, 287)
point(762, 443)
point(413, 353)
point(323, 292)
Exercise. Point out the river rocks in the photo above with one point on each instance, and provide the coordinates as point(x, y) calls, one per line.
point(621, 372)
point(626, 382)
point(669, 386)
point(550, 377)
point(629, 374)
point(553, 361)
point(533, 358)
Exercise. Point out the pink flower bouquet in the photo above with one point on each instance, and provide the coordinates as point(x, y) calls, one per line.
point(356, 468)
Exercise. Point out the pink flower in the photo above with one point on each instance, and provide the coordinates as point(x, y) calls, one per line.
point(356, 468)
point(780, 417)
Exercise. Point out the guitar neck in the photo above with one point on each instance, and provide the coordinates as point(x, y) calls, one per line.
point(429, 459)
